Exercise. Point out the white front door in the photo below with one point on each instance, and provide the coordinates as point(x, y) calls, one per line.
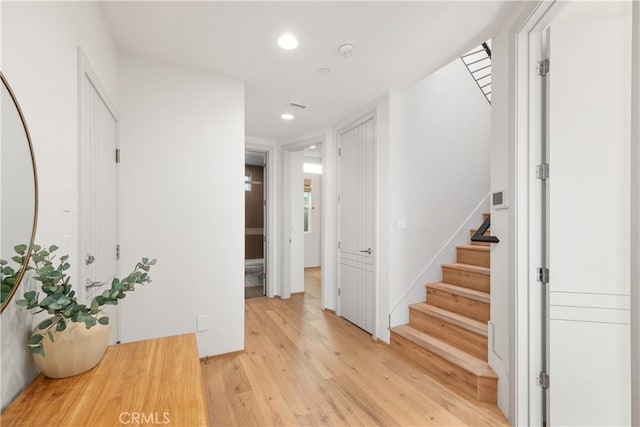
point(589, 214)
point(357, 224)
point(98, 195)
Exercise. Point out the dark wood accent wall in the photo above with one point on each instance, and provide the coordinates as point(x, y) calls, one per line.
point(254, 214)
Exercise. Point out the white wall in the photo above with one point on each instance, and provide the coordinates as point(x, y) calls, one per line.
point(501, 262)
point(39, 58)
point(635, 217)
point(182, 201)
point(438, 162)
point(312, 239)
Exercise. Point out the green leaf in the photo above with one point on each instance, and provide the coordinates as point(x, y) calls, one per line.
point(38, 350)
point(53, 248)
point(22, 302)
point(103, 320)
point(21, 249)
point(48, 300)
point(50, 335)
point(35, 340)
point(61, 326)
point(89, 322)
point(17, 259)
point(45, 324)
point(30, 295)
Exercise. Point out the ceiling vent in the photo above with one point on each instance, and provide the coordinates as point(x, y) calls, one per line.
point(297, 105)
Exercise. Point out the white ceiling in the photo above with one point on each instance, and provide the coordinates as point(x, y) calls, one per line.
point(397, 43)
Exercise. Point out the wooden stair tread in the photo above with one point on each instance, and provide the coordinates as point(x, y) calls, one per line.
point(474, 230)
point(451, 317)
point(462, 291)
point(447, 352)
point(468, 267)
point(475, 248)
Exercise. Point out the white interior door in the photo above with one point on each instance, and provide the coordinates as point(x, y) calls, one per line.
point(357, 221)
point(98, 196)
point(292, 223)
point(589, 214)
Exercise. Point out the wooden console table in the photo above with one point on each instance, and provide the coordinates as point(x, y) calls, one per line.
point(152, 382)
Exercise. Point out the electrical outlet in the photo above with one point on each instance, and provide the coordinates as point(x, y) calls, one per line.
point(202, 323)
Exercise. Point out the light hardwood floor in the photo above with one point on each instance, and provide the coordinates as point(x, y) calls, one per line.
point(306, 367)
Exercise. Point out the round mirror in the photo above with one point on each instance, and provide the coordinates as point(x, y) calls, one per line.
point(18, 194)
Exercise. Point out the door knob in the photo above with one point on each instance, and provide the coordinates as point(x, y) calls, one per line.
point(367, 251)
point(90, 259)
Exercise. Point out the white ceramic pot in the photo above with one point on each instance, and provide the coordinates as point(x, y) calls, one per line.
point(74, 351)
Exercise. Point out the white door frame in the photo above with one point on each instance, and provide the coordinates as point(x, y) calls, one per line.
point(270, 226)
point(86, 70)
point(525, 310)
point(371, 115)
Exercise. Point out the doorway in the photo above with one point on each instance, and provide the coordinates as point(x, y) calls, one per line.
point(312, 219)
point(302, 217)
point(255, 238)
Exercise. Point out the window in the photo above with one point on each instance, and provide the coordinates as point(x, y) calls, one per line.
point(307, 211)
point(314, 168)
point(247, 181)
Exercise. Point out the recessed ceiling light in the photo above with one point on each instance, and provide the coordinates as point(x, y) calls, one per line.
point(288, 42)
point(324, 70)
point(287, 116)
point(312, 147)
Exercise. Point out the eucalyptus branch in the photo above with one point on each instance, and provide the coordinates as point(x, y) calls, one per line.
point(60, 299)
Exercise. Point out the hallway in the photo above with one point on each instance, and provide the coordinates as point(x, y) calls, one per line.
point(303, 366)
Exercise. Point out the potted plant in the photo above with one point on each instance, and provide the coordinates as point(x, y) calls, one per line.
point(74, 339)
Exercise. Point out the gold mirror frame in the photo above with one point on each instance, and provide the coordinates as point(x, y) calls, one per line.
point(23, 266)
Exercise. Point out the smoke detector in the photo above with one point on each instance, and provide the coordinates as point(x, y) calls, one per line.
point(346, 49)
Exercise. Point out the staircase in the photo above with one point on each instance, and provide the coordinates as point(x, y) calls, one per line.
point(447, 334)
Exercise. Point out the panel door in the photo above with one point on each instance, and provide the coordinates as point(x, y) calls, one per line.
point(357, 222)
point(98, 197)
point(588, 215)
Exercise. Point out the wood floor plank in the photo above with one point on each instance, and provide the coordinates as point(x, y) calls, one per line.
point(305, 366)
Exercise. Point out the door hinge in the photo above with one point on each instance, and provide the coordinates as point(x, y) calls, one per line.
point(339, 152)
point(542, 275)
point(117, 251)
point(543, 379)
point(339, 245)
point(117, 155)
point(543, 67)
point(542, 171)
point(339, 199)
point(338, 291)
